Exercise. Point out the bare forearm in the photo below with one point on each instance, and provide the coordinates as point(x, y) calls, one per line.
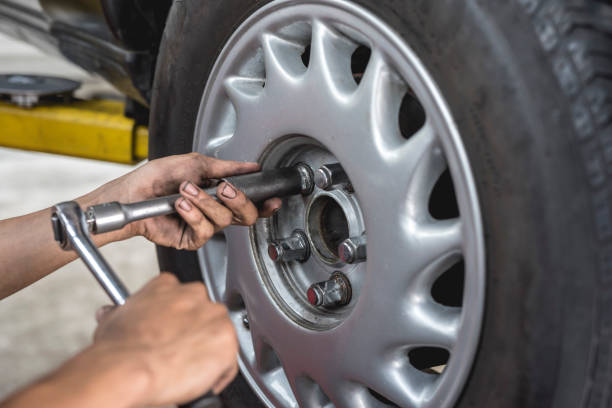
point(93, 378)
point(28, 251)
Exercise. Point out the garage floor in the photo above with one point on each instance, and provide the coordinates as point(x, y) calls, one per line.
point(46, 323)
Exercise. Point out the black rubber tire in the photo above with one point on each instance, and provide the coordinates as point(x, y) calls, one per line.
point(529, 83)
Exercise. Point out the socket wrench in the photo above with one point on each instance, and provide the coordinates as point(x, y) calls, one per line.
point(72, 227)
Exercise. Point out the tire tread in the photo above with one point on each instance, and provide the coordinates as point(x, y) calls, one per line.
point(576, 36)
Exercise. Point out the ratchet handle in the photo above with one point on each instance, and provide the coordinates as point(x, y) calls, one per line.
point(257, 187)
point(70, 231)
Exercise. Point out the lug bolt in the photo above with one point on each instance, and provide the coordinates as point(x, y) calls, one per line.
point(353, 250)
point(245, 321)
point(335, 292)
point(330, 175)
point(293, 248)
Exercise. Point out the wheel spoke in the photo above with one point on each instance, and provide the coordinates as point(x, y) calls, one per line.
point(349, 395)
point(215, 258)
point(253, 134)
point(435, 241)
point(406, 314)
point(282, 61)
point(421, 160)
point(244, 91)
point(411, 255)
point(431, 324)
point(368, 129)
point(411, 170)
point(414, 321)
point(309, 394)
point(381, 91)
point(266, 359)
point(399, 382)
point(330, 61)
point(236, 263)
point(280, 387)
point(429, 163)
point(248, 141)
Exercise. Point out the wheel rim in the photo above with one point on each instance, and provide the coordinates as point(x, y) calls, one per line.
point(262, 103)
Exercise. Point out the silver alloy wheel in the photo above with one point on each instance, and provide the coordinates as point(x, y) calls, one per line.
point(264, 102)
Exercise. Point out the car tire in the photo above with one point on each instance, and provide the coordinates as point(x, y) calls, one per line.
point(528, 83)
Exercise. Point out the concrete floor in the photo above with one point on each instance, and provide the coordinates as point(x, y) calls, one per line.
point(43, 325)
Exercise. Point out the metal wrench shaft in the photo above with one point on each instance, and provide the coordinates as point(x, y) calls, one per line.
point(257, 187)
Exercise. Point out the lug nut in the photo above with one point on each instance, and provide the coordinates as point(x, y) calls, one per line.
point(334, 292)
point(293, 248)
point(330, 175)
point(353, 250)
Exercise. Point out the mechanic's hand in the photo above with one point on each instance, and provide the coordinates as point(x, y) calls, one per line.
point(187, 342)
point(200, 215)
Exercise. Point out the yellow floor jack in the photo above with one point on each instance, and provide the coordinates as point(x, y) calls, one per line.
point(39, 113)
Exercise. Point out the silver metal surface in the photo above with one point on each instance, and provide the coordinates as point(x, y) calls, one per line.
point(329, 175)
point(71, 232)
point(292, 248)
point(334, 292)
point(353, 250)
point(114, 216)
point(263, 103)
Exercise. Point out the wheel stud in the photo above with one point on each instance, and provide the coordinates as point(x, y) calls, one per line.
point(330, 175)
point(353, 250)
point(245, 321)
point(335, 292)
point(293, 248)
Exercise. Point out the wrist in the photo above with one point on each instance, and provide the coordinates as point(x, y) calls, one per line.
point(112, 191)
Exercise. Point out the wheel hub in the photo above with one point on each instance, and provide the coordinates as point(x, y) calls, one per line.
point(308, 231)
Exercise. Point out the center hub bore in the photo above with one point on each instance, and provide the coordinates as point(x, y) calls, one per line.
point(327, 224)
point(297, 248)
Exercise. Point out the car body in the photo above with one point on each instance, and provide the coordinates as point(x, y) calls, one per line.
point(117, 40)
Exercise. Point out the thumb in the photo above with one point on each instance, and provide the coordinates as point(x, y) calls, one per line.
point(102, 312)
